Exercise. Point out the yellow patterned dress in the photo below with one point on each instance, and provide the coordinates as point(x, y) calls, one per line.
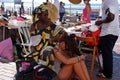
point(47, 55)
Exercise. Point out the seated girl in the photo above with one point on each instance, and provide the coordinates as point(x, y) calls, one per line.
point(71, 60)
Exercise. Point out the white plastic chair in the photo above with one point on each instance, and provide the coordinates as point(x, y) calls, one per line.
point(24, 33)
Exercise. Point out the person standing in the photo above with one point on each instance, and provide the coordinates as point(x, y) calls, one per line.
point(22, 10)
point(3, 7)
point(86, 12)
point(61, 11)
point(109, 35)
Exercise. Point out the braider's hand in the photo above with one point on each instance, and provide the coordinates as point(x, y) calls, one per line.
point(56, 50)
point(98, 23)
point(51, 40)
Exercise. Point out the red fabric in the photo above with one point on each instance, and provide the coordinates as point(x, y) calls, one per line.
point(96, 34)
point(20, 19)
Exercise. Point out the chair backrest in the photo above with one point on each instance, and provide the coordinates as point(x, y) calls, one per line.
point(86, 48)
point(24, 33)
point(87, 39)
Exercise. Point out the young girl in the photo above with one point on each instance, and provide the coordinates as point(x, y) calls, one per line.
point(71, 60)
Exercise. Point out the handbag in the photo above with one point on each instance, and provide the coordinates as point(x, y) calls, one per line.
point(43, 72)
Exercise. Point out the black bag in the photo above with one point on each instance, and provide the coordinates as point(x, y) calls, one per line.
point(42, 72)
point(26, 74)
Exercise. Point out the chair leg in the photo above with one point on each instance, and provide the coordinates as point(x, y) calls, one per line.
point(93, 63)
point(92, 67)
point(98, 61)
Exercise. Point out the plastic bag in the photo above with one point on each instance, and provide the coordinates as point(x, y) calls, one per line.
point(96, 34)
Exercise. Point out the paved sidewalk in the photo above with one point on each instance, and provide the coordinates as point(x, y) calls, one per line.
point(116, 68)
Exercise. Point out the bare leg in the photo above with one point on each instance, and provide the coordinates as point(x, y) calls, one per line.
point(81, 70)
point(84, 68)
point(65, 72)
point(78, 70)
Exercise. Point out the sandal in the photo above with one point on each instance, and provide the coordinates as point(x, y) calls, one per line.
point(101, 75)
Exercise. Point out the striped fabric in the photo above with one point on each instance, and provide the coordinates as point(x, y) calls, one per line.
point(7, 71)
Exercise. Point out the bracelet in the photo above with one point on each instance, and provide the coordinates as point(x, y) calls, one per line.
point(78, 57)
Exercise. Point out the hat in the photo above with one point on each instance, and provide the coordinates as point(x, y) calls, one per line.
point(75, 1)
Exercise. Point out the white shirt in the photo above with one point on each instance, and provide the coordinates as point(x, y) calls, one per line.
point(111, 27)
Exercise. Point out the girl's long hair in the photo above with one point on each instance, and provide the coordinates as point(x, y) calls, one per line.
point(71, 44)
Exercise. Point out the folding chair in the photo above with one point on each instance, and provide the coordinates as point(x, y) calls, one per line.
point(24, 33)
point(90, 50)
